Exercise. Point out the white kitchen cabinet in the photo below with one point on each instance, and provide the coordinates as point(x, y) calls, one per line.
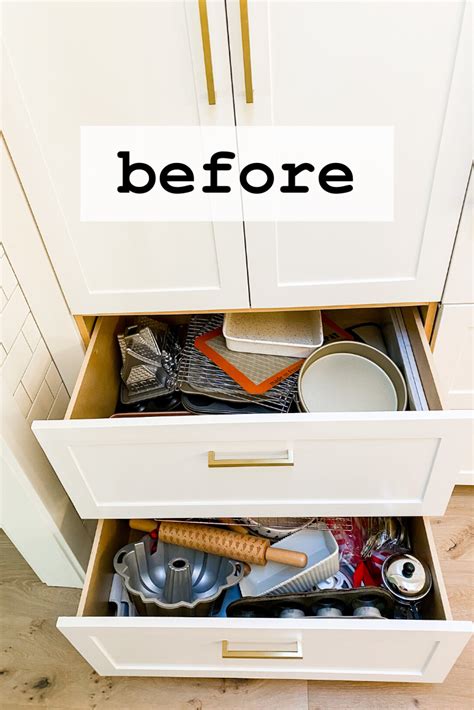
point(460, 282)
point(69, 65)
point(453, 354)
point(404, 65)
point(401, 65)
point(453, 351)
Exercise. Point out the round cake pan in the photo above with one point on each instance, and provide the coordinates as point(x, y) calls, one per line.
point(352, 384)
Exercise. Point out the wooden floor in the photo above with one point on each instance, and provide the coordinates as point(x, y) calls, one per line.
point(39, 668)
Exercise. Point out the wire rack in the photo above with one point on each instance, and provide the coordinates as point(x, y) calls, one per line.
point(204, 377)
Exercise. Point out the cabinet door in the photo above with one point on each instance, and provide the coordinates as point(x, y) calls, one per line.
point(460, 282)
point(399, 64)
point(118, 63)
point(453, 354)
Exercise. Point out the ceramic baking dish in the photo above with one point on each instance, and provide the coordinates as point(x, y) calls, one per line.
point(291, 333)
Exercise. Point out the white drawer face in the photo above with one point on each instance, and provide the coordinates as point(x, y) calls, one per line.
point(333, 464)
point(337, 649)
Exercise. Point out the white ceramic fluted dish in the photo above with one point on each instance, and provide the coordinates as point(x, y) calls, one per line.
point(322, 551)
point(347, 376)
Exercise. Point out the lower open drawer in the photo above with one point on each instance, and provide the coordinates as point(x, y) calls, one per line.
point(334, 649)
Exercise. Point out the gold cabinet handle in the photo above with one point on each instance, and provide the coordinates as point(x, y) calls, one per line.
point(228, 653)
point(285, 459)
point(244, 28)
point(206, 48)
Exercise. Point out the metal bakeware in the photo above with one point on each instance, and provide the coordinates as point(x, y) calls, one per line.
point(357, 352)
point(173, 580)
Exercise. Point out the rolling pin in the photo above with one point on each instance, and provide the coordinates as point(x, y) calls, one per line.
point(225, 543)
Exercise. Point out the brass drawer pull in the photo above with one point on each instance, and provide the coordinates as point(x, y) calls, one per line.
point(285, 459)
point(206, 48)
point(228, 653)
point(244, 28)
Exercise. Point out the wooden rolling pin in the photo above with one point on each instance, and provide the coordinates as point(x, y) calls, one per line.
point(225, 543)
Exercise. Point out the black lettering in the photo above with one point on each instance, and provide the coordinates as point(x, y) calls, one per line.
point(166, 178)
point(293, 171)
point(325, 178)
point(214, 166)
point(264, 169)
point(128, 168)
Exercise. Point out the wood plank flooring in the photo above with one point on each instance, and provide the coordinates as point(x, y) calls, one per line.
point(38, 667)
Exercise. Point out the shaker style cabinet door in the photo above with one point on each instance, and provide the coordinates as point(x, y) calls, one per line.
point(395, 64)
point(453, 353)
point(71, 64)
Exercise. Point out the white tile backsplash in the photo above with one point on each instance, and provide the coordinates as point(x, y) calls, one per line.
point(59, 407)
point(31, 332)
point(36, 371)
point(53, 379)
point(26, 366)
point(16, 363)
point(22, 399)
point(8, 280)
point(42, 405)
point(12, 317)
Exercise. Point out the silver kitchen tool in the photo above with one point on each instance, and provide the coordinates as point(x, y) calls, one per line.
point(408, 579)
point(384, 532)
point(277, 528)
point(173, 580)
point(150, 355)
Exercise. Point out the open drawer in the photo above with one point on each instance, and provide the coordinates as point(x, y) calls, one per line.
point(378, 463)
point(335, 649)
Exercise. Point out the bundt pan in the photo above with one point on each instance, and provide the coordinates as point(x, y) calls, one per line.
point(174, 580)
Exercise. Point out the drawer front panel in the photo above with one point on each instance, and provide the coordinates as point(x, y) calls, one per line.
point(422, 651)
point(362, 464)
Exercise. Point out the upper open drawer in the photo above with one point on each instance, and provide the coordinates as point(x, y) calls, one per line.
point(380, 463)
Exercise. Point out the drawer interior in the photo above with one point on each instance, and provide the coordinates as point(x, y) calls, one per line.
point(97, 389)
point(111, 535)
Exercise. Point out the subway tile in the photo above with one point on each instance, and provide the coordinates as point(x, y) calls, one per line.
point(12, 318)
point(7, 276)
point(16, 363)
point(22, 399)
point(42, 404)
point(60, 404)
point(31, 332)
point(53, 378)
point(36, 370)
